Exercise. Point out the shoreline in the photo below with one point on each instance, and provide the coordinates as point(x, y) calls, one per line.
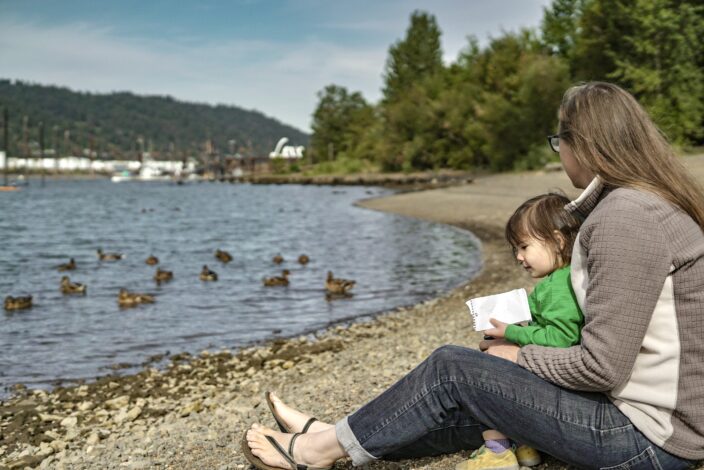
point(193, 413)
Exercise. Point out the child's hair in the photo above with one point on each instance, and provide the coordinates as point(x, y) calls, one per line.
point(539, 218)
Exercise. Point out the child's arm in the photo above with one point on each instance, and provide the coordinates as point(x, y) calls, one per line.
point(557, 319)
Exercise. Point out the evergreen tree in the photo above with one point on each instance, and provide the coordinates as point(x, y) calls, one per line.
point(417, 56)
point(560, 26)
point(663, 68)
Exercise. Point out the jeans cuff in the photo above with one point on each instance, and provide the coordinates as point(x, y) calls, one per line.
point(349, 442)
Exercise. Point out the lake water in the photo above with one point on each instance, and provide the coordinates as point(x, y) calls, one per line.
point(395, 261)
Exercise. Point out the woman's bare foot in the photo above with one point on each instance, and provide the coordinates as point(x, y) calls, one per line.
point(306, 451)
point(294, 419)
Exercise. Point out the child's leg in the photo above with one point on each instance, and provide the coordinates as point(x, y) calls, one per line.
point(496, 441)
point(495, 454)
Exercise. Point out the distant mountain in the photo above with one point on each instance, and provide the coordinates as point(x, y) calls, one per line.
point(120, 125)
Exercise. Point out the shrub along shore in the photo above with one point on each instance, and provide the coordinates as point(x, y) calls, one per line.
point(192, 414)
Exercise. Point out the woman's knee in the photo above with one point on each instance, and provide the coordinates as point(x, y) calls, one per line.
point(450, 356)
point(451, 360)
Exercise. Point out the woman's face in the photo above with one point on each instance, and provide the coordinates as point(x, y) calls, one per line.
point(579, 176)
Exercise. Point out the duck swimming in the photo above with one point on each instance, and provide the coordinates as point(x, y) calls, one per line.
point(223, 256)
point(208, 275)
point(303, 259)
point(278, 259)
point(152, 260)
point(70, 266)
point(338, 286)
point(17, 303)
point(68, 287)
point(163, 276)
point(132, 299)
point(108, 256)
point(277, 280)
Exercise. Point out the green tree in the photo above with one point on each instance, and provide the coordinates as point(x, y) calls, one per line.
point(410, 87)
point(560, 26)
point(414, 58)
point(339, 121)
point(663, 66)
point(517, 90)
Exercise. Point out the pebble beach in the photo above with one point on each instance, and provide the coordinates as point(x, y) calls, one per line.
point(193, 413)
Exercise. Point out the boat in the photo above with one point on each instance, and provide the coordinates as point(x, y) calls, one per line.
point(145, 174)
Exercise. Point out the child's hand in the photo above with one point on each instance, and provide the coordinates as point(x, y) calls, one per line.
point(499, 330)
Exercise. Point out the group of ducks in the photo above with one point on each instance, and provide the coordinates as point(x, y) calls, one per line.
point(334, 287)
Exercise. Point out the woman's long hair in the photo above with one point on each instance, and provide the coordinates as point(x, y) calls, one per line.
point(611, 135)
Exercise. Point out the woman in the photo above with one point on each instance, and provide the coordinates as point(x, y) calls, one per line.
point(631, 395)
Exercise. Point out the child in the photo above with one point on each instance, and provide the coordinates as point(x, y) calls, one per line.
point(541, 234)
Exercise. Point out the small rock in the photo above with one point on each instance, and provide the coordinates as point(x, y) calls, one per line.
point(58, 445)
point(117, 403)
point(93, 439)
point(50, 417)
point(69, 422)
point(85, 406)
point(193, 407)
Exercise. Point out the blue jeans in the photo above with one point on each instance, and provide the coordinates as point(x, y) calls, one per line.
point(445, 403)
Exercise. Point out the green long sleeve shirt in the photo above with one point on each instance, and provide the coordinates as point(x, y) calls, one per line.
point(557, 318)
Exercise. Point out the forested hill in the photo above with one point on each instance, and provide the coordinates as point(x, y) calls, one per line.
point(119, 125)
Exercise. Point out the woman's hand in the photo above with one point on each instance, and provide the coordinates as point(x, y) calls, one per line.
point(500, 348)
point(499, 330)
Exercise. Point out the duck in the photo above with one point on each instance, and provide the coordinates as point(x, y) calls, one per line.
point(108, 256)
point(132, 299)
point(277, 280)
point(223, 256)
point(17, 303)
point(208, 275)
point(303, 259)
point(278, 259)
point(152, 260)
point(70, 266)
point(68, 287)
point(338, 286)
point(162, 275)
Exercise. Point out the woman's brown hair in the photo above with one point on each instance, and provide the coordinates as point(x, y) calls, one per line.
point(544, 218)
point(611, 135)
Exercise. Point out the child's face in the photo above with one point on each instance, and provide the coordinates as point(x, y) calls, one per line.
point(537, 257)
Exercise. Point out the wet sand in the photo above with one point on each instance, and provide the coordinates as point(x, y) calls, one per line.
point(193, 413)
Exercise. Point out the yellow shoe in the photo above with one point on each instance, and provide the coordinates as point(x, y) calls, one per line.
point(484, 459)
point(527, 456)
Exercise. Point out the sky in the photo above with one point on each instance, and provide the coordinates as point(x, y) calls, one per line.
point(270, 55)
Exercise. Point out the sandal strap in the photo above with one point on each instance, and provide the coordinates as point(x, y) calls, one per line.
point(307, 426)
point(289, 455)
point(290, 445)
point(284, 454)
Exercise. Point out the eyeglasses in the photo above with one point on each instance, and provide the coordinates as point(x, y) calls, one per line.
point(554, 142)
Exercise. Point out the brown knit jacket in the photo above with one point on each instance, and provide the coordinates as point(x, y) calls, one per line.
point(638, 275)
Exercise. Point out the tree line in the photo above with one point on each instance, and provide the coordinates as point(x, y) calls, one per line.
point(124, 125)
point(493, 106)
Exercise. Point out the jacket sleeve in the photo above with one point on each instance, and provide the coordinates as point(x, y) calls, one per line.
point(627, 262)
point(556, 323)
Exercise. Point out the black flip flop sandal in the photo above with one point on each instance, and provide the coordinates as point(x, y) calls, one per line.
point(257, 462)
point(281, 424)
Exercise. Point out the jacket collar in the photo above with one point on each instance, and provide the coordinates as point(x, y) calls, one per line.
point(590, 197)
